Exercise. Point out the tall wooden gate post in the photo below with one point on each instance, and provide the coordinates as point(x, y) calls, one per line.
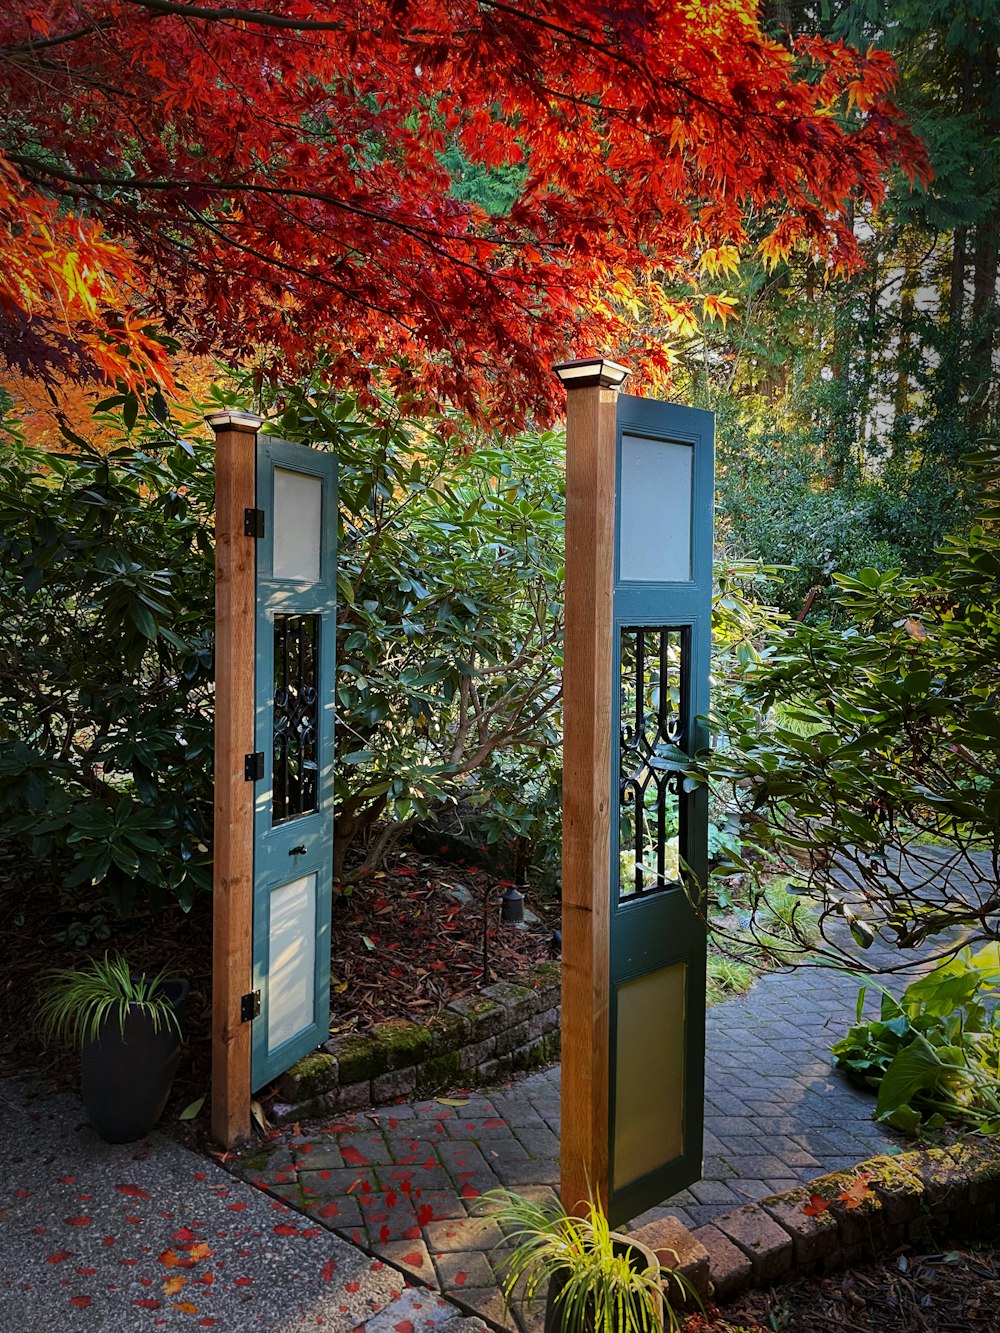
point(639, 478)
point(232, 961)
point(592, 394)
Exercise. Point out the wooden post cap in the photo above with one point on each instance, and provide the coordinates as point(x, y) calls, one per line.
point(594, 371)
point(244, 421)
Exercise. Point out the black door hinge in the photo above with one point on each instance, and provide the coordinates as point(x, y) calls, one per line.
point(253, 766)
point(253, 523)
point(250, 1006)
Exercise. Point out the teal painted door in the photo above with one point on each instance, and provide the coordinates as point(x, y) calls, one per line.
point(293, 803)
point(662, 642)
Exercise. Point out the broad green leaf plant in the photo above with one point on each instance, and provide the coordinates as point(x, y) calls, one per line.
point(933, 1055)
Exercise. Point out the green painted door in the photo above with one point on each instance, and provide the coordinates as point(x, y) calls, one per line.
point(662, 641)
point(293, 804)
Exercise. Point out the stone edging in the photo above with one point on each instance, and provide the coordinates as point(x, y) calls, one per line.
point(913, 1197)
point(504, 1029)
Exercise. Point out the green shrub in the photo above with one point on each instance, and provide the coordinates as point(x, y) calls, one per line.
point(106, 663)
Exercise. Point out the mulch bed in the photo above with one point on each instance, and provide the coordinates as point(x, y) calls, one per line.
point(403, 947)
point(956, 1291)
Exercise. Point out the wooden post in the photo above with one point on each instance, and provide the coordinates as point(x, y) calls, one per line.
point(235, 596)
point(592, 394)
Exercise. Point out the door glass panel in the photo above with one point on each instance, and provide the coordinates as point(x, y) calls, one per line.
point(653, 702)
point(649, 1073)
point(291, 960)
point(298, 515)
point(296, 717)
point(654, 523)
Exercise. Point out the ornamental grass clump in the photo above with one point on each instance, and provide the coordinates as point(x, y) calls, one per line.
point(76, 1002)
point(593, 1282)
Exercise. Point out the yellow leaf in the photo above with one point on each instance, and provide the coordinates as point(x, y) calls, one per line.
point(173, 1285)
point(188, 1307)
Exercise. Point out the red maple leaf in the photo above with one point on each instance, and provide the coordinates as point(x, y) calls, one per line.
point(817, 1204)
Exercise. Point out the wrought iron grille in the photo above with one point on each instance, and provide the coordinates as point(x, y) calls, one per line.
point(654, 688)
point(296, 716)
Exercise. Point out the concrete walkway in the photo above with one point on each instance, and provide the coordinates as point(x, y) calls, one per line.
point(405, 1181)
point(96, 1238)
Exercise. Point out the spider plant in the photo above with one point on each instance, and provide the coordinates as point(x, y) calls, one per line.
point(76, 1002)
point(596, 1284)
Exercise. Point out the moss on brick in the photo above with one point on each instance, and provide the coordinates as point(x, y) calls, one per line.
point(979, 1160)
point(485, 1018)
point(546, 975)
point(361, 1058)
point(309, 1077)
point(551, 1046)
point(900, 1190)
point(519, 1001)
point(441, 1071)
point(447, 1032)
point(404, 1044)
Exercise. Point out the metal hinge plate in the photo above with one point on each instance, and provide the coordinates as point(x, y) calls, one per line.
point(250, 1006)
point(253, 523)
point(253, 766)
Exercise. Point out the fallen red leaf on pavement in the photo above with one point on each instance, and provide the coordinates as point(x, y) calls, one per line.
point(78, 1221)
point(133, 1191)
point(81, 1302)
point(58, 1256)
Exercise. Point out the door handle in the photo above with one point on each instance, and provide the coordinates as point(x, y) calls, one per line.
point(297, 851)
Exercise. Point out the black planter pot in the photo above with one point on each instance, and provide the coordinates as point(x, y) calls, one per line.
point(126, 1076)
point(640, 1257)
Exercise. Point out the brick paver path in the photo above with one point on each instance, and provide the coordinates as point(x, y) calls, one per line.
point(405, 1180)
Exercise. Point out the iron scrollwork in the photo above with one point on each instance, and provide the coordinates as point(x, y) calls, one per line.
point(654, 688)
point(296, 717)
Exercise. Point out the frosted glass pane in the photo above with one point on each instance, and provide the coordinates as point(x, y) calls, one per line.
point(298, 516)
point(291, 960)
point(649, 1073)
point(655, 511)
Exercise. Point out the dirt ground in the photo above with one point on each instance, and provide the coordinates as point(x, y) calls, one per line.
point(952, 1291)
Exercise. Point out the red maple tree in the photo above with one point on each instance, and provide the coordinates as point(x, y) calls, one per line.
point(270, 179)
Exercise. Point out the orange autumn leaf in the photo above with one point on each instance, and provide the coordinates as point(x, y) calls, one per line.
point(816, 1205)
point(186, 1307)
point(857, 1193)
point(200, 1251)
point(173, 1285)
point(170, 1258)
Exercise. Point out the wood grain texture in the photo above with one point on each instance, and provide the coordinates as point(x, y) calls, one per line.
point(586, 894)
point(232, 935)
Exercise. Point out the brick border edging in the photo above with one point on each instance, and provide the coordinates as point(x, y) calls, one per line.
point(915, 1196)
point(504, 1029)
